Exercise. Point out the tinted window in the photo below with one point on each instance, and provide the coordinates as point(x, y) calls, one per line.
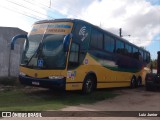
point(50, 50)
point(119, 47)
point(100, 40)
point(108, 43)
point(135, 50)
point(135, 53)
point(82, 35)
point(146, 57)
point(31, 47)
point(74, 53)
point(141, 54)
point(128, 50)
point(96, 39)
point(74, 56)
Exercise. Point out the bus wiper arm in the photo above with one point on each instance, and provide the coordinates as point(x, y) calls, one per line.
point(36, 52)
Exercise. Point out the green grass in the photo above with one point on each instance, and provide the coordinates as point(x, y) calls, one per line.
point(41, 99)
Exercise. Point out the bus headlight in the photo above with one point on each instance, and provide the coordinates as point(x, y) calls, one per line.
point(56, 77)
point(22, 74)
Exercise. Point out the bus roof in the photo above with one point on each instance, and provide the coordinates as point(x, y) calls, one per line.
point(78, 20)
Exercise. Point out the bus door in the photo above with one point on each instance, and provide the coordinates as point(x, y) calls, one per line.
point(78, 50)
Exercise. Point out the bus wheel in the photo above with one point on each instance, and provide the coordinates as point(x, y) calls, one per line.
point(88, 84)
point(133, 82)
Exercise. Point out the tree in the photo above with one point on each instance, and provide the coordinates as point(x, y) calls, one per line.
point(154, 64)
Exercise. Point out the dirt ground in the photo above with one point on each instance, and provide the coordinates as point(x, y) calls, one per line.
point(129, 100)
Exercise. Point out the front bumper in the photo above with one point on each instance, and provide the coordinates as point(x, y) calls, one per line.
point(43, 82)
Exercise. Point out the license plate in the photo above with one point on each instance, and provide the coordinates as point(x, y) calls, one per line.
point(35, 83)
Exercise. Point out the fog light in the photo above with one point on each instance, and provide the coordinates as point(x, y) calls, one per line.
point(22, 74)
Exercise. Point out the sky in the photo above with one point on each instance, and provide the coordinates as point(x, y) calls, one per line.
point(138, 18)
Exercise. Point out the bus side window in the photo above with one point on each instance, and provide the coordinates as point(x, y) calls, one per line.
point(148, 58)
point(120, 47)
point(144, 56)
point(140, 55)
point(74, 55)
point(100, 41)
point(128, 50)
point(96, 39)
point(108, 44)
point(93, 42)
point(135, 53)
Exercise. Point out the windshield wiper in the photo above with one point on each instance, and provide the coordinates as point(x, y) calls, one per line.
point(35, 53)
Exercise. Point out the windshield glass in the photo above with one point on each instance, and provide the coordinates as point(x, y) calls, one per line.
point(45, 51)
point(52, 52)
point(30, 47)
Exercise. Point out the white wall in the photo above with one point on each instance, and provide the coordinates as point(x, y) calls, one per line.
point(6, 35)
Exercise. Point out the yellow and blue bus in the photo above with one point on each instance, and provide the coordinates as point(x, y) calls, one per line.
point(73, 54)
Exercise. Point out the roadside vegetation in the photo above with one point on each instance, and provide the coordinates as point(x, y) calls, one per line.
point(15, 97)
point(154, 63)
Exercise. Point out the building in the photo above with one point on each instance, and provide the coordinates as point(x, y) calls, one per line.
point(9, 59)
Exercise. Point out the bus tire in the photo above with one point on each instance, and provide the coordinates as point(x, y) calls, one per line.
point(88, 84)
point(133, 83)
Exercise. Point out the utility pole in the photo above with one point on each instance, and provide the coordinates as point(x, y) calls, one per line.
point(120, 32)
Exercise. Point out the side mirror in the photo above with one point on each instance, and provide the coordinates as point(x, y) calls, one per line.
point(14, 39)
point(66, 42)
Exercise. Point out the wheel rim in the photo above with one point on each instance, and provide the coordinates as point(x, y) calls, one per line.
point(89, 85)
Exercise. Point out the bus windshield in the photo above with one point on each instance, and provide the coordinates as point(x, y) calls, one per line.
point(48, 54)
point(45, 51)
